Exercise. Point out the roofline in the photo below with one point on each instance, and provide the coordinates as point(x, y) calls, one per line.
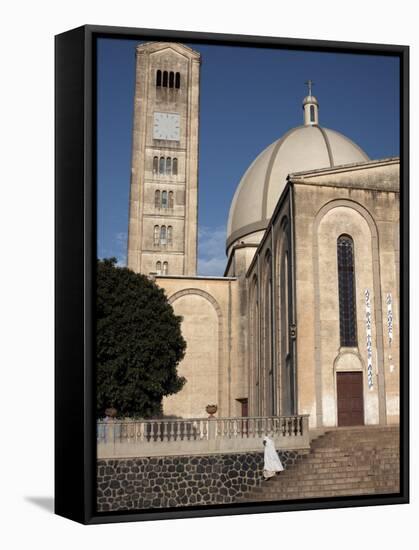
point(286, 191)
point(233, 250)
point(344, 167)
point(156, 47)
point(195, 277)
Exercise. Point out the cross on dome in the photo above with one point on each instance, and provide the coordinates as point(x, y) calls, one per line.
point(309, 84)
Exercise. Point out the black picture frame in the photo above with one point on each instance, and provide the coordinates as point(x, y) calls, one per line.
point(75, 253)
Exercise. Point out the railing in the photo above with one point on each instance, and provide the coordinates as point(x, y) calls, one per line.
point(128, 438)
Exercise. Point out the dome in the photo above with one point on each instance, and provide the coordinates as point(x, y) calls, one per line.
point(306, 147)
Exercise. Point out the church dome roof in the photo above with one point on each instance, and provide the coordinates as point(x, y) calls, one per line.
point(306, 147)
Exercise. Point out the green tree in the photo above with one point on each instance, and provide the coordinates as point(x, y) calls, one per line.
point(139, 343)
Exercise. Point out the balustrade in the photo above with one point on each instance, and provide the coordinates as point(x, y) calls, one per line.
point(199, 435)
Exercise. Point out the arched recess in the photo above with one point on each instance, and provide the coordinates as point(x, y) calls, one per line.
point(267, 342)
point(254, 347)
point(285, 361)
point(376, 278)
point(202, 328)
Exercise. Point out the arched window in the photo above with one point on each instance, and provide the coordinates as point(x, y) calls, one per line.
point(155, 165)
point(347, 296)
point(163, 235)
point(165, 268)
point(164, 199)
point(158, 78)
point(174, 167)
point(156, 235)
point(171, 199)
point(165, 79)
point(268, 336)
point(312, 114)
point(254, 342)
point(158, 268)
point(161, 165)
point(168, 166)
point(169, 235)
point(157, 199)
point(171, 79)
point(177, 84)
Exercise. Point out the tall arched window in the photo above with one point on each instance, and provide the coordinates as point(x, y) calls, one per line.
point(158, 78)
point(177, 84)
point(169, 234)
point(158, 268)
point(171, 199)
point(165, 268)
point(155, 165)
point(312, 114)
point(161, 165)
point(171, 79)
point(164, 199)
point(157, 199)
point(165, 79)
point(347, 296)
point(268, 337)
point(254, 342)
point(163, 235)
point(174, 167)
point(156, 235)
point(168, 166)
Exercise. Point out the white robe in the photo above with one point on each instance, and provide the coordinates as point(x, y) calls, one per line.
point(272, 462)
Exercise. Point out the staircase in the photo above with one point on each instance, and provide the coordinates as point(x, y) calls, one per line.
point(344, 461)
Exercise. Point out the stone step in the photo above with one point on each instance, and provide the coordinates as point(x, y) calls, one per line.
point(338, 462)
point(326, 484)
point(323, 494)
point(293, 476)
point(351, 452)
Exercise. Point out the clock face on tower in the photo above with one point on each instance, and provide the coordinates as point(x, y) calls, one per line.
point(166, 126)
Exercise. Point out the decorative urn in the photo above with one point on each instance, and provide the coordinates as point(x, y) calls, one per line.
point(111, 412)
point(211, 410)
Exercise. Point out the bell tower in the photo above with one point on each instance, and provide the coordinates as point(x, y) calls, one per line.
point(163, 212)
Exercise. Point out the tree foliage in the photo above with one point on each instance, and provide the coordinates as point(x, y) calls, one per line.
point(139, 343)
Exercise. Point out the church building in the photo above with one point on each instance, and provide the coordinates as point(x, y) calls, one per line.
point(306, 317)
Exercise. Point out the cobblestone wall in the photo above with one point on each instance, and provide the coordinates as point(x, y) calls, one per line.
point(159, 482)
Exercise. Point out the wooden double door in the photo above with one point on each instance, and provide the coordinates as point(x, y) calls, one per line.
point(350, 396)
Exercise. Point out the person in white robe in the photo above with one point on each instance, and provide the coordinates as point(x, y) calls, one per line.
point(272, 462)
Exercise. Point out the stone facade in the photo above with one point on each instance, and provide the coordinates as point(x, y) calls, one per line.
point(265, 339)
point(152, 173)
point(161, 482)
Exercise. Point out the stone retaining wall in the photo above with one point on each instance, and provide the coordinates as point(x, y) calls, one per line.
point(171, 481)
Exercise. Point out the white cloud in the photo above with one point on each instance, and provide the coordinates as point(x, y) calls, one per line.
point(120, 247)
point(211, 251)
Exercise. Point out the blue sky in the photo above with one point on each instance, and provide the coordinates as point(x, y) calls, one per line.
point(249, 98)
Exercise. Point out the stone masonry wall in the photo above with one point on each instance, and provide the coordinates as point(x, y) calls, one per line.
point(171, 481)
